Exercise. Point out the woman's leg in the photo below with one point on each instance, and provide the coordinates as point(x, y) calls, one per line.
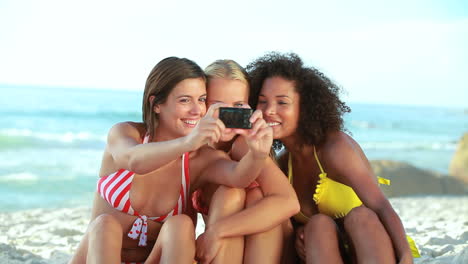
point(104, 240)
point(175, 243)
point(368, 236)
point(321, 241)
point(263, 247)
point(81, 252)
point(289, 250)
point(225, 202)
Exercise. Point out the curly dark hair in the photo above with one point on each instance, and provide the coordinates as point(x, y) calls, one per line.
point(321, 109)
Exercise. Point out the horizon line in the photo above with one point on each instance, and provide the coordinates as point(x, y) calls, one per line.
point(103, 89)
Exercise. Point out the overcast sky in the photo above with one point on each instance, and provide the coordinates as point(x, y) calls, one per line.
point(396, 52)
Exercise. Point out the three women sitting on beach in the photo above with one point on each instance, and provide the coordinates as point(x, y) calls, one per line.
point(247, 199)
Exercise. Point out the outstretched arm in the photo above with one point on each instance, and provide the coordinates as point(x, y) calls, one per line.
point(124, 144)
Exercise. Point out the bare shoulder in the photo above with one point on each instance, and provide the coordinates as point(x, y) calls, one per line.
point(339, 148)
point(337, 141)
point(127, 126)
point(129, 129)
point(345, 158)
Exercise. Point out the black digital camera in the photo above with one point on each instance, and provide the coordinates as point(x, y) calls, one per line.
point(234, 117)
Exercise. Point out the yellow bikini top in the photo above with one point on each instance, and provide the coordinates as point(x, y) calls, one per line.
point(332, 198)
point(336, 199)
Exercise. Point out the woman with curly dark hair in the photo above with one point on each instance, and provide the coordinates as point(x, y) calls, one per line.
point(344, 215)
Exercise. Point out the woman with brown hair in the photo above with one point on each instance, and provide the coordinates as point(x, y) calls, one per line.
point(149, 170)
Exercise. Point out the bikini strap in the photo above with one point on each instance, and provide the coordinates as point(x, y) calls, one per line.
point(185, 180)
point(318, 161)
point(146, 138)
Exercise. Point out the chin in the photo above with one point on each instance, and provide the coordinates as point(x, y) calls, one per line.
point(184, 132)
point(277, 135)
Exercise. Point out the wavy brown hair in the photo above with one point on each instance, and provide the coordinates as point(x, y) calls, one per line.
point(321, 110)
point(160, 83)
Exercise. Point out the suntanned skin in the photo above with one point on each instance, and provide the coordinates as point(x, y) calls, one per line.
point(183, 127)
point(375, 231)
point(274, 200)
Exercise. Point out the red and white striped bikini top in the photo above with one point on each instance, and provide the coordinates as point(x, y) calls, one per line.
point(115, 189)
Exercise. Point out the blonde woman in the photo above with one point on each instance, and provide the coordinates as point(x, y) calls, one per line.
point(259, 209)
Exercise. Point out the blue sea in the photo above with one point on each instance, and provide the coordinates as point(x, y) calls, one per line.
point(52, 139)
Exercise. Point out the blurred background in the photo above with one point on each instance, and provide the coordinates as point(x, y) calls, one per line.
point(69, 70)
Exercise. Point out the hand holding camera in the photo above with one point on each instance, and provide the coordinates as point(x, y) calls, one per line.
point(208, 130)
point(258, 135)
point(235, 117)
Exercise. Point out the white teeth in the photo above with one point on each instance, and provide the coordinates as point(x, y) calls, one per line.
point(191, 122)
point(273, 123)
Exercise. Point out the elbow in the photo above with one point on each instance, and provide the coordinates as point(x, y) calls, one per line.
point(294, 205)
point(291, 204)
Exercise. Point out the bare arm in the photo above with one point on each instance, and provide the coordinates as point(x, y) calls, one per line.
point(278, 204)
point(124, 144)
point(128, 153)
point(240, 174)
point(349, 162)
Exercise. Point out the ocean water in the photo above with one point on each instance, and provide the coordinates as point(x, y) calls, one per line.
point(51, 140)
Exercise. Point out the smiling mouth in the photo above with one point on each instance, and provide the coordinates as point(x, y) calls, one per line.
point(271, 124)
point(190, 122)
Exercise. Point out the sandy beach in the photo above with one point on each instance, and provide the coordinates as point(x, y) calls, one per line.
point(438, 224)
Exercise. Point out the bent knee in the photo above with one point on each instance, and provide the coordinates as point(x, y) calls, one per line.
point(180, 225)
point(105, 222)
point(232, 197)
point(361, 217)
point(319, 223)
point(252, 196)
